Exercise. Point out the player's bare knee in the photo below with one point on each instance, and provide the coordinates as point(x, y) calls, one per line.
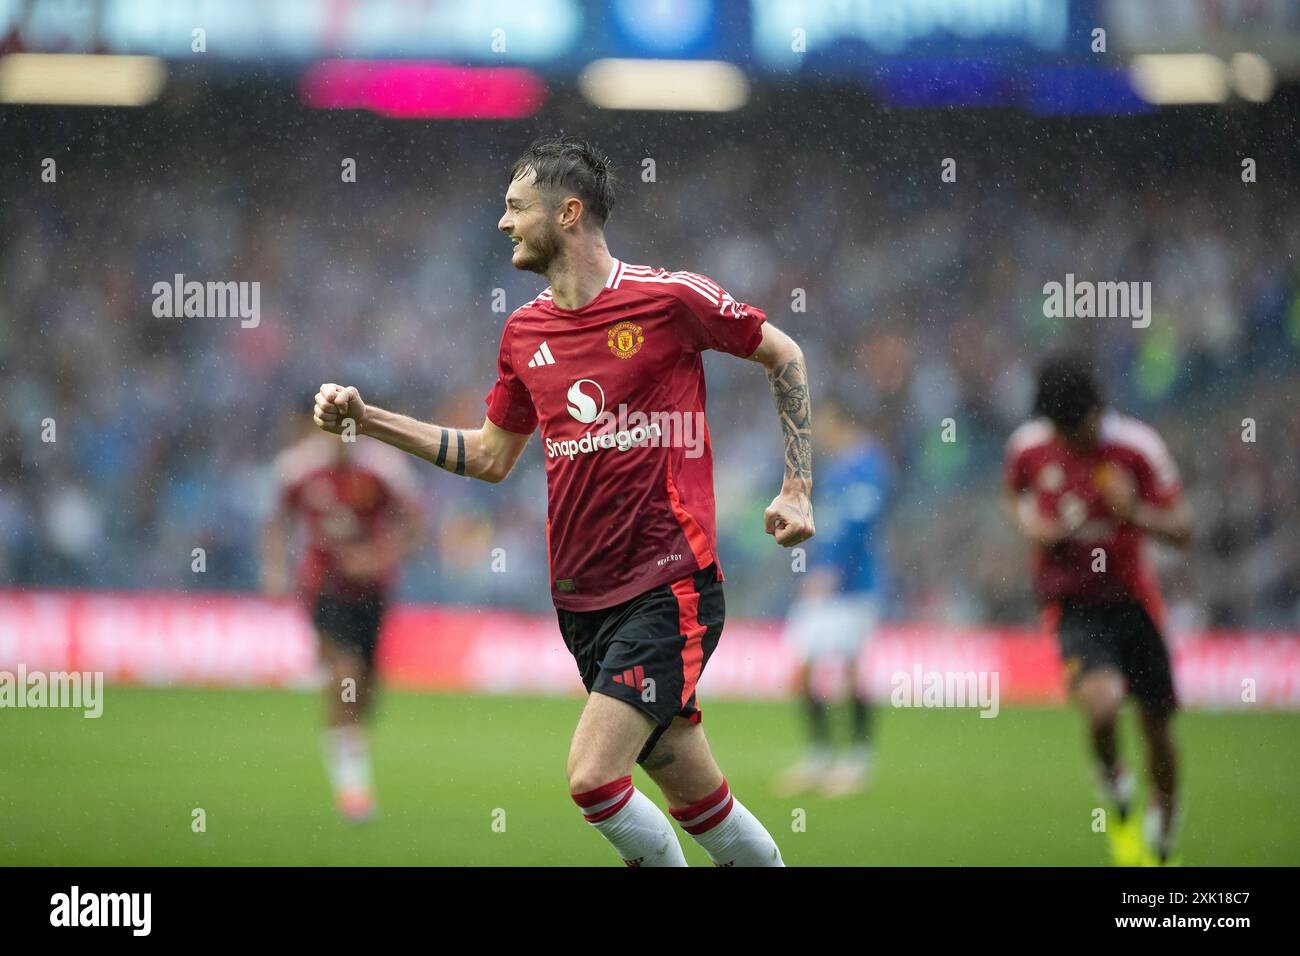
point(685, 789)
point(1102, 715)
point(682, 765)
point(586, 776)
point(588, 770)
point(1156, 729)
point(1101, 696)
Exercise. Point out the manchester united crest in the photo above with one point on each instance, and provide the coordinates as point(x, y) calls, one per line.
point(625, 339)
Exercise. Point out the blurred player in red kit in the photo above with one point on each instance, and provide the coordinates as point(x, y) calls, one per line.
point(357, 506)
point(607, 361)
point(1087, 485)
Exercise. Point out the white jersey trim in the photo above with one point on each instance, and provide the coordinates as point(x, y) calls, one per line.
point(299, 460)
point(688, 279)
point(1127, 432)
point(1033, 433)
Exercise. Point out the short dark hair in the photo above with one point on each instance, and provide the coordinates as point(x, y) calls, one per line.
point(1068, 390)
point(563, 163)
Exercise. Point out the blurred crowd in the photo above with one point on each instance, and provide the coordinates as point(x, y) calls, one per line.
point(916, 302)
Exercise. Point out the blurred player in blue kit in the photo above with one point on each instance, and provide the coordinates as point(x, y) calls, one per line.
point(838, 602)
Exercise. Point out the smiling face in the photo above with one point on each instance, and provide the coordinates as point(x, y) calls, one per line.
point(531, 222)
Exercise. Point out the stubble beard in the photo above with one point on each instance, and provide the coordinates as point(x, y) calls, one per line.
point(543, 252)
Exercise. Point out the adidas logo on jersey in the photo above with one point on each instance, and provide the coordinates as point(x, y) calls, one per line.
point(542, 356)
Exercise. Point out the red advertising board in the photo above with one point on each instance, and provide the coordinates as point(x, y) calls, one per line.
point(233, 640)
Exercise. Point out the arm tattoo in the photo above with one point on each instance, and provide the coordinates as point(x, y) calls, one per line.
point(441, 461)
point(794, 408)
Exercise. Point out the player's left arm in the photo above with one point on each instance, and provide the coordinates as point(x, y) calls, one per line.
point(1171, 523)
point(276, 569)
point(1149, 497)
point(789, 518)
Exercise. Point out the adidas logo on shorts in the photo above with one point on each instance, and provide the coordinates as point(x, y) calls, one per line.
point(633, 677)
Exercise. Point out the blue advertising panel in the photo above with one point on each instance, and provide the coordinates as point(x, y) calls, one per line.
point(817, 37)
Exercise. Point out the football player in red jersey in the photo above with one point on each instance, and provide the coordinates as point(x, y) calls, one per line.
point(357, 505)
point(1087, 485)
point(607, 361)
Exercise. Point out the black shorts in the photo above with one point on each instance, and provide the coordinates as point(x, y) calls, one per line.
point(350, 623)
point(650, 650)
point(1121, 636)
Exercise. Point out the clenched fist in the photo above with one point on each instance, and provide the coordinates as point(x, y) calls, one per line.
point(335, 404)
point(789, 517)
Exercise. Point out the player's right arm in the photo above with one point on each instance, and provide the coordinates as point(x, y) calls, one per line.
point(1019, 503)
point(277, 569)
point(1151, 501)
point(276, 573)
point(488, 453)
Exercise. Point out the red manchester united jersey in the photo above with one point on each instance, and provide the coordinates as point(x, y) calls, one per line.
point(618, 389)
point(1066, 484)
point(347, 497)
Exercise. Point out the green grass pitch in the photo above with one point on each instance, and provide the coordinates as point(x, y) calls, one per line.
point(951, 788)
